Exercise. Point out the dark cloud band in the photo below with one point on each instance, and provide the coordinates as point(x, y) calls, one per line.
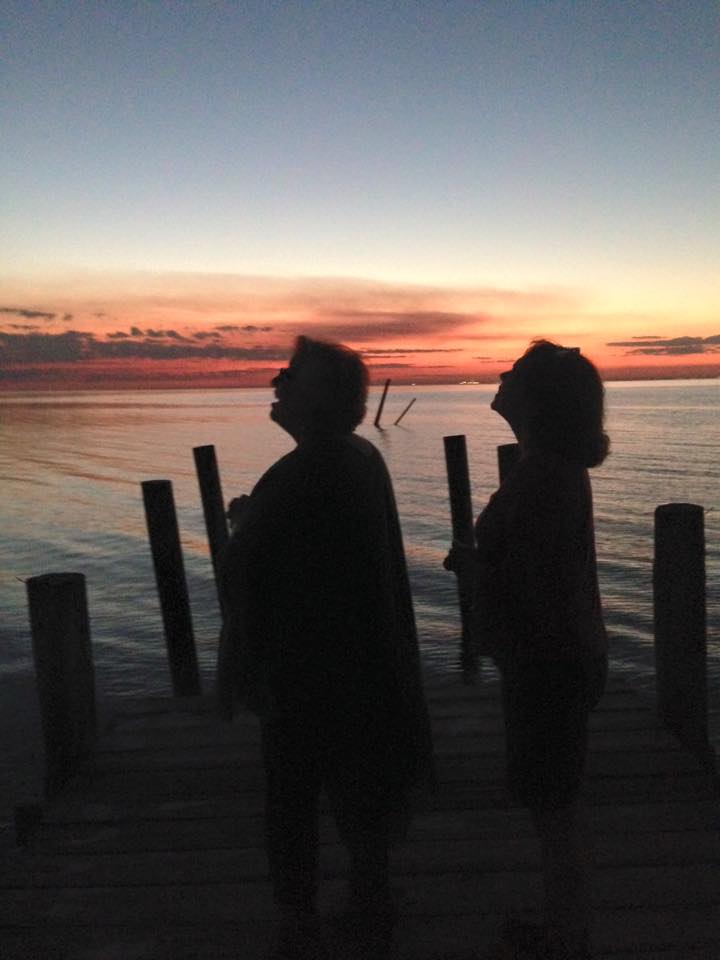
point(74, 346)
point(668, 346)
point(28, 314)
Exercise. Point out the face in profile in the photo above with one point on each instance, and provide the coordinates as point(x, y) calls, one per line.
point(292, 407)
point(283, 408)
point(508, 399)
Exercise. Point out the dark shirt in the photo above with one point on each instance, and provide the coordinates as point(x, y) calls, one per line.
point(317, 598)
point(537, 595)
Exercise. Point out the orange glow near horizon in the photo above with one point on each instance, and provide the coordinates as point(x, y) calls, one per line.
point(146, 331)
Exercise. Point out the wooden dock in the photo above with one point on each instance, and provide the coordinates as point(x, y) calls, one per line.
point(158, 855)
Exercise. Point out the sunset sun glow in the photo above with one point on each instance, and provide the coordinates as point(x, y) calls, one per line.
point(433, 184)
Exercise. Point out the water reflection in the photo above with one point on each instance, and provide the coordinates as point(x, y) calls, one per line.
point(72, 464)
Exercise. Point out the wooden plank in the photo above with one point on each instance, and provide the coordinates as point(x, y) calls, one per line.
point(457, 895)
point(630, 832)
point(165, 738)
point(621, 730)
point(160, 855)
point(462, 790)
point(609, 754)
point(694, 814)
point(214, 856)
point(423, 940)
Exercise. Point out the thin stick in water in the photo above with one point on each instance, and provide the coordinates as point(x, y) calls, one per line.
point(404, 411)
point(382, 403)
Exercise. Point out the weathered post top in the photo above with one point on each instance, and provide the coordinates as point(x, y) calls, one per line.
point(172, 586)
point(461, 515)
point(458, 474)
point(208, 475)
point(680, 623)
point(62, 652)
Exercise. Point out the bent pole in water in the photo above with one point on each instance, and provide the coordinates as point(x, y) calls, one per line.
point(404, 411)
point(382, 403)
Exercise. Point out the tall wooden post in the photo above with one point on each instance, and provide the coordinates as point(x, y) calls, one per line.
point(382, 403)
point(208, 476)
point(172, 586)
point(680, 623)
point(62, 653)
point(508, 455)
point(461, 515)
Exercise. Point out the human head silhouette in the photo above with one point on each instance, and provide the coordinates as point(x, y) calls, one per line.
point(553, 399)
point(323, 390)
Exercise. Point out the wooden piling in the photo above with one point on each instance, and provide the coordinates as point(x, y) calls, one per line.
point(461, 515)
point(405, 411)
point(213, 504)
point(680, 624)
point(508, 455)
point(64, 670)
point(382, 403)
point(172, 586)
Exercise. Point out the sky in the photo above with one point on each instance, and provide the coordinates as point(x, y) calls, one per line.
point(187, 186)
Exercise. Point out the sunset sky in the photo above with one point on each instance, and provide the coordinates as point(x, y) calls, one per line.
point(186, 186)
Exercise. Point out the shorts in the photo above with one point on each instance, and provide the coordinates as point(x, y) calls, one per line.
point(546, 705)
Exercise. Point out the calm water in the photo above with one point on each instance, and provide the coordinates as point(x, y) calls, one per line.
point(71, 464)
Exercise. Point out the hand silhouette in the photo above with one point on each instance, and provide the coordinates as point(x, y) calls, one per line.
point(461, 558)
point(236, 509)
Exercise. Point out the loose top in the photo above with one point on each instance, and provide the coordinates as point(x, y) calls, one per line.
point(317, 599)
point(537, 593)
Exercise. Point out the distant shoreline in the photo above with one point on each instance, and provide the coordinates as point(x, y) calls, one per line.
point(110, 387)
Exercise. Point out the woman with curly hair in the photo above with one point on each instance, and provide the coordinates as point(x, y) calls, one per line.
point(537, 613)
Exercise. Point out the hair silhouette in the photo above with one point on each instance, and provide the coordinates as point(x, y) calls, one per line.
point(339, 399)
point(565, 402)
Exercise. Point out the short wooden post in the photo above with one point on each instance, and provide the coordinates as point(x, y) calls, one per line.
point(680, 624)
point(208, 476)
point(62, 653)
point(382, 403)
point(405, 411)
point(508, 455)
point(461, 515)
point(172, 586)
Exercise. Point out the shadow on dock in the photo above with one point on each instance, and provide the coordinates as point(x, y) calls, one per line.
point(157, 853)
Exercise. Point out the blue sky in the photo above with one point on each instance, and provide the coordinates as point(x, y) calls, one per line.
point(519, 145)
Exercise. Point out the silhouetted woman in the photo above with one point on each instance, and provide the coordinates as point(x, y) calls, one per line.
point(320, 634)
point(537, 613)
